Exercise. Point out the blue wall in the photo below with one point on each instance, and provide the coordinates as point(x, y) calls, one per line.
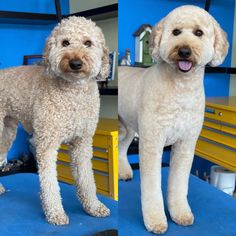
point(134, 13)
point(17, 40)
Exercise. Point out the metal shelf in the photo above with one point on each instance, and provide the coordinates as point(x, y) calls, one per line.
point(99, 13)
point(110, 90)
point(220, 70)
point(27, 18)
point(40, 18)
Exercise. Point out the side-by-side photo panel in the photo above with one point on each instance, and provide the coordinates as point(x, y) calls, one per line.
point(59, 117)
point(176, 109)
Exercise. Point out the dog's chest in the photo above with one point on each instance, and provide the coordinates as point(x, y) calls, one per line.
point(184, 121)
point(179, 127)
point(83, 116)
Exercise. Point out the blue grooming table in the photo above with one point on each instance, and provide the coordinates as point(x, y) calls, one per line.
point(214, 211)
point(21, 212)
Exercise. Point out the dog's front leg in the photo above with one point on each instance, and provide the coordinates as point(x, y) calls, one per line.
point(81, 155)
point(50, 190)
point(180, 165)
point(151, 150)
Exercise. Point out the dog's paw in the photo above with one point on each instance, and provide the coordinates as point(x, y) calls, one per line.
point(3, 161)
point(181, 214)
point(156, 224)
point(58, 219)
point(2, 189)
point(98, 210)
point(184, 218)
point(125, 171)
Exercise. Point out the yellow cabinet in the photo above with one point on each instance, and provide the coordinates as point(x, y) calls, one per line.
point(105, 159)
point(217, 141)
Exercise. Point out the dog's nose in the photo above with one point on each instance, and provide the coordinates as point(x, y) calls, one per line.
point(184, 52)
point(75, 64)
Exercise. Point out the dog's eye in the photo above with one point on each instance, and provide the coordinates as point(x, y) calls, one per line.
point(198, 33)
point(88, 43)
point(65, 43)
point(176, 32)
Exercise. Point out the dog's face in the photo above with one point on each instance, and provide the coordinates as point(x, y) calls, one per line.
point(76, 51)
point(188, 38)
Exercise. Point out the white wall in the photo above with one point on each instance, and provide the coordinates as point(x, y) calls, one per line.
point(232, 90)
point(109, 104)
point(109, 28)
point(83, 5)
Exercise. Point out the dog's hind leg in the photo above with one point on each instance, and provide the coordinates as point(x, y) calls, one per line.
point(126, 136)
point(81, 165)
point(8, 127)
point(8, 135)
point(2, 189)
point(2, 156)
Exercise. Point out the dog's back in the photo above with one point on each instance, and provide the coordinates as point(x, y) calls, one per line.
point(130, 85)
point(17, 82)
point(18, 90)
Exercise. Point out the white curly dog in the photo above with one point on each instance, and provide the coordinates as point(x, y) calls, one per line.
point(59, 103)
point(164, 104)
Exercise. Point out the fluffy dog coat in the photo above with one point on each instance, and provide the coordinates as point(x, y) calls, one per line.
point(57, 103)
point(164, 104)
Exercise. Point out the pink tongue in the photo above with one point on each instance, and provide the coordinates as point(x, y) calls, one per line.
point(185, 65)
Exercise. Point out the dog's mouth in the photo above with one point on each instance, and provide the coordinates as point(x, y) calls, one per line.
point(184, 65)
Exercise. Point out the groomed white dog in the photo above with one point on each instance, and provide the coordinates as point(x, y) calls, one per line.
point(165, 104)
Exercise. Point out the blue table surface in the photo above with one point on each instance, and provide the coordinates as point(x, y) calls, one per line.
point(21, 212)
point(214, 211)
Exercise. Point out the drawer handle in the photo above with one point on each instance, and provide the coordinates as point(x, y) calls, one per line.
point(220, 113)
point(210, 110)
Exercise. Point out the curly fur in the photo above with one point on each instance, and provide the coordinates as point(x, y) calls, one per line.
point(58, 105)
point(165, 106)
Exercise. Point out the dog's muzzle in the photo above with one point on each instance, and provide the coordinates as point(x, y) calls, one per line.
point(184, 64)
point(75, 65)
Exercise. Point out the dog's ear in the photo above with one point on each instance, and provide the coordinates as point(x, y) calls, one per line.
point(221, 45)
point(155, 39)
point(50, 42)
point(47, 50)
point(105, 67)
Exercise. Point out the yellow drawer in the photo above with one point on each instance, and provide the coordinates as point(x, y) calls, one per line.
point(64, 147)
point(216, 153)
point(100, 153)
point(212, 124)
point(97, 152)
point(100, 141)
point(63, 156)
point(98, 164)
point(64, 171)
point(101, 179)
point(219, 137)
point(227, 128)
point(220, 114)
point(105, 159)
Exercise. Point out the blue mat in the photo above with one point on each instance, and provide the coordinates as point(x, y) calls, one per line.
point(214, 211)
point(21, 212)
